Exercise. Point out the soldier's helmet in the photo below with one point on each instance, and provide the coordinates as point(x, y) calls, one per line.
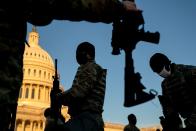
point(86, 47)
point(132, 119)
point(82, 50)
point(158, 61)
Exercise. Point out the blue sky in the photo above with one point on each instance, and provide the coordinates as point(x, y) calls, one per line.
point(174, 19)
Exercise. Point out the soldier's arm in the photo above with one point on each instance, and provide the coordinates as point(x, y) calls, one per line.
point(89, 10)
point(165, 102)
point(42, 12)
point(172, 119)
point(191, 78)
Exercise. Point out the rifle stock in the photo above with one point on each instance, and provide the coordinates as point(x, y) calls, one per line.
point(13, 118)
point(55, 105)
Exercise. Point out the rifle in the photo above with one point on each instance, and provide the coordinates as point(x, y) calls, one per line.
point(13, 108)
point(125, 35)
point(11, 126)
point(55, 105)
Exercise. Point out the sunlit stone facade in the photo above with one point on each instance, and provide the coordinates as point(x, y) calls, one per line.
point(34, 95)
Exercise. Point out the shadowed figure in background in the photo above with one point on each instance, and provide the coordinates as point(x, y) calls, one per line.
point(13, 26)
point(178, 93)
point(132, 123)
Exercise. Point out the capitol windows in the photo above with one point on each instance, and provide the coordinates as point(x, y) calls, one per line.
point(19, 125)
point(44, 74)
point(20, 94)
point(48, 76)
point(27, 125)
point(27, 91)
point(33, 93)
point(40, 72)
point(35, 126)
point(41, 125)
point(39, 93)
point(42, 92)
point(47, 93)
point(29, 72)
point(34, 72)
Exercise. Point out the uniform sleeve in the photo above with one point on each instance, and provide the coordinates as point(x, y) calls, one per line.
point(191, 78)
point(171, 118)
point(89, 10)
point(126, 128)
point(82, 84)
point(166, 103)
point(42, 12)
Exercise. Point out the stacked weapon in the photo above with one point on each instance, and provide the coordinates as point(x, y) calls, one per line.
point(13, 117)
point(55, 105)
point(126, 34)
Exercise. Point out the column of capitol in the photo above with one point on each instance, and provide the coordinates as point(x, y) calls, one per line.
point(34, 95)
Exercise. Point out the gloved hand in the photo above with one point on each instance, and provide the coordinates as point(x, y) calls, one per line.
point(56, 96)
point(47, 112)
point(190, 123)
point(130, 6)
point(53, 124)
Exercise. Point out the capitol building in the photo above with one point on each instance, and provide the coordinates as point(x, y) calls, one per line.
point(34, 95)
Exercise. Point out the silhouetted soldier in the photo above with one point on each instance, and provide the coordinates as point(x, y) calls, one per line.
point(85, 98)
point(132, 123)
point(178, 93)
point(14, 15)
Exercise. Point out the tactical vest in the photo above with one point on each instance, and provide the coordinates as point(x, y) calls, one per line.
point(94, 100)
point(180, 88)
